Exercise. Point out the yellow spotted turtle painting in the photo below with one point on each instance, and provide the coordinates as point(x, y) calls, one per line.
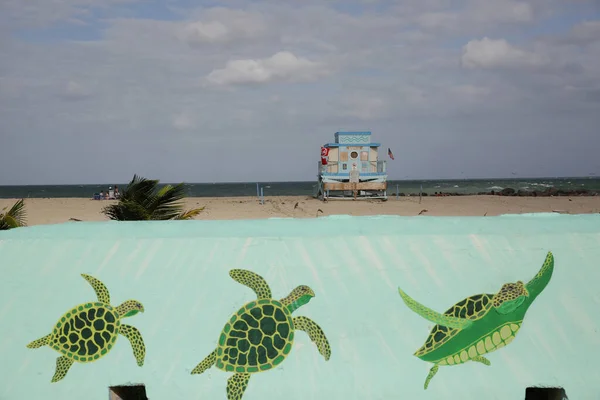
point(479, 324)
point(260, 335)
point(89, 331)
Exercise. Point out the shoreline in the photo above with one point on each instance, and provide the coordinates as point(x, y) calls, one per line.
point(507, 192)
point(59, 210)
point(549, 192)
point(505, 187)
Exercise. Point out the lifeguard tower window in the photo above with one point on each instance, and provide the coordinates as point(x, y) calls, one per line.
point(354, 154)
point(133, 392)
point(545, 393)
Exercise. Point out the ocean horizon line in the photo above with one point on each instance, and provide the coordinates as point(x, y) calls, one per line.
point(462, 186)
point(506, 178)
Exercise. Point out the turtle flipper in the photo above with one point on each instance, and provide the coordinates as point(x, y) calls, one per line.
point(236, 386)
point(137, 343)
point(434, 316)
point(40, 342)
point(62, 367)
point(205, 364)
point(99, 288)
point(315, 333)
point(482, 360)
point(431, 374)
point(253, 281)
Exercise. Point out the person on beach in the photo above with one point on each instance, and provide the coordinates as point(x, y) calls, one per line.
point(116, 192)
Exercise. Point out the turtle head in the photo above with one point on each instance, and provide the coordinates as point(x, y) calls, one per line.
point(515, 295)
point(510, 297)
point(130, 308)
point(298, 297)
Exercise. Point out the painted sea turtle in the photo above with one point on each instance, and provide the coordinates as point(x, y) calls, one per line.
point(478, 324)
point(89, 331)
point(260, 335)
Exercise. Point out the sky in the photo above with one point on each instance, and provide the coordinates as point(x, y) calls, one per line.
point(94, 91)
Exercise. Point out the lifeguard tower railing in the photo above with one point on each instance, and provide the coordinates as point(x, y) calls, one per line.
point(374, 170)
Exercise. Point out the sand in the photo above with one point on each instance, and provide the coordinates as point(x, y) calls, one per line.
point(58, 210)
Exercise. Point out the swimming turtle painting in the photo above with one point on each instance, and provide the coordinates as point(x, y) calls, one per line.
point(260, 335)
point(89, 331)
point(478, 324)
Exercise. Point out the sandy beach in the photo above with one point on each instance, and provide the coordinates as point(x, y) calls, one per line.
point(59, 210)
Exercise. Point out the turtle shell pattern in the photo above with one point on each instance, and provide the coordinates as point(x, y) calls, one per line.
point(257, 338)
point(473, 307)
point(87, 332)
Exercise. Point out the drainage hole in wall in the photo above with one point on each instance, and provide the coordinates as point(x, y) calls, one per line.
point(131, 392)
point(545, 393)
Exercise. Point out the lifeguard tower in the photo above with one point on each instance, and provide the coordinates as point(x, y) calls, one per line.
point(350, 169)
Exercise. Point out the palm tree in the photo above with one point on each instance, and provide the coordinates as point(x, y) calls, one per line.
point(13, 218)
point(142, 201)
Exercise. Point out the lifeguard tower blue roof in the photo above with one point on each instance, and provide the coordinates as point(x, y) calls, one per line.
point(363, 138)
point(353, 133)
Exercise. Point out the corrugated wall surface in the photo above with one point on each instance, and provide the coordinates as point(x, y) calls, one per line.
point(179, 271)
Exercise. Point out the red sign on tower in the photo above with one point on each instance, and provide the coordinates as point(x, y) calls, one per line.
point(324, 155)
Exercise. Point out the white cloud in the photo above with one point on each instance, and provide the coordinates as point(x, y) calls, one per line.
point(489, 54)
point(282, 66)
point(205, 31)
point(221, 25)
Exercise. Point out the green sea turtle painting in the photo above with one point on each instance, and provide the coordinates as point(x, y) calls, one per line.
point(89, 331)
point(479, 324)
point(260, 335)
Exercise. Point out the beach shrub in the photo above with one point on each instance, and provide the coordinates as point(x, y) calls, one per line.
point(142, 200)
point(14, 217)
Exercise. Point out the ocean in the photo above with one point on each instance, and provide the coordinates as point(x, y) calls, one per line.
point(459, 186)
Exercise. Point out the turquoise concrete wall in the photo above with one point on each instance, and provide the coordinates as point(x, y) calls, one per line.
point(179, 271)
